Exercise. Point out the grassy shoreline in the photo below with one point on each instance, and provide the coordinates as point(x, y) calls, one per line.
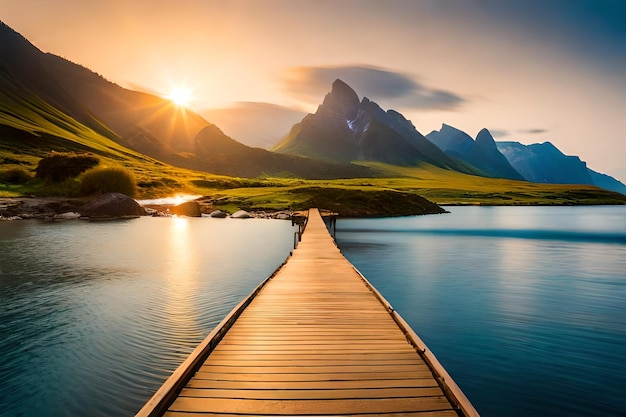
point(400, 191)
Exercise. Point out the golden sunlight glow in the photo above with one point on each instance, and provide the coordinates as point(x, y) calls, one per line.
point(181, 96)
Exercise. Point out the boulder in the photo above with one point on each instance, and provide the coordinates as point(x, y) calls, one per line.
point(218, 214)
point(111, 206)
point(241, 214)
point(189, 209)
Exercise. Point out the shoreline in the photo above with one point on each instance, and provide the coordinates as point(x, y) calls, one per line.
point(66, 208)
point(61, 208)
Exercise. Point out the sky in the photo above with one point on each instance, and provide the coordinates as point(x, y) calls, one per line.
point(528, 70)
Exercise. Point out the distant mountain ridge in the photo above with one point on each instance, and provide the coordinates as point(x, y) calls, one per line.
point(344, 129)
point(542, 163)
point(482, 153)
point(545, 163)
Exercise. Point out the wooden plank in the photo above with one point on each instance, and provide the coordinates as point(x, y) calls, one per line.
point(247, 362)
point(319, 394)
point(369, 355)
point(347, 376)
point(304, 407)
point(307, 338)
point(311, 349)
point(321, 385)
point(441, 413)
point(319, 369)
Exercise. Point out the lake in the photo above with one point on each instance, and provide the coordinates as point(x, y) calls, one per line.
point(95, 315)
point(524, 306)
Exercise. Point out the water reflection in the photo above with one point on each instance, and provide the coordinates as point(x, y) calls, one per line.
point(181, 281)
point(95, 316)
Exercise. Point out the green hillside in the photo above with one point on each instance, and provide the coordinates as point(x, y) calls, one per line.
point(377, 196)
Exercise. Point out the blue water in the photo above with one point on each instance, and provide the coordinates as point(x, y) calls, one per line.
point(95, 316)
point(524, 306)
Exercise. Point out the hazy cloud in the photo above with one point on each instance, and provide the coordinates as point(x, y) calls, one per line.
point(533, 131)
point(500, 133)
point(265, 123)
point(378, 84)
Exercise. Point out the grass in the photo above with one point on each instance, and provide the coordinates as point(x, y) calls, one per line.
point(436, 184)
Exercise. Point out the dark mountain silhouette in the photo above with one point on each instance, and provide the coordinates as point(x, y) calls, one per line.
point(482, 153)
point(345, 129)
point(45, 95)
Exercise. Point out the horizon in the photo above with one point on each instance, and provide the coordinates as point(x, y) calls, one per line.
point(529, 72)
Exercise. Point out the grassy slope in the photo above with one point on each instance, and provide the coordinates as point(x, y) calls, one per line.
point(436, 184)
point(30, 128)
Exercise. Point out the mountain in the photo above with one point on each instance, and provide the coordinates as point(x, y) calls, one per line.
point(542, 163)
point(44, 97)
point(545, 163)
point(143, 122)
point(482, 153)
point(607, 182)
point(345, 129)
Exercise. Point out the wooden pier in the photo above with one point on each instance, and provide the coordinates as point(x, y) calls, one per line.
point(314, 339)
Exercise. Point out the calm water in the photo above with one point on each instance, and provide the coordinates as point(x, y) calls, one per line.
point(94, 316)
point(525, 306)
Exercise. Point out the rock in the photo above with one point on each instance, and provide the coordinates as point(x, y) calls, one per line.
point(218, 214)
point(241, 214)
point(2, 218)
point(151, 212)
point(111, 206)
point(189, 209)
point(282, 215)
point(69, 215)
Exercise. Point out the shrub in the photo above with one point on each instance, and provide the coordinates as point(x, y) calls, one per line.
point(58, 167)
point(15, 176)
point(108, 180)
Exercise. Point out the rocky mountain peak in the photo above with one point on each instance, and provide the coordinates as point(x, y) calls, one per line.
point(481, 153)
point(344, 130)
point(448, 129)
point(485, 140)
point(342, 100)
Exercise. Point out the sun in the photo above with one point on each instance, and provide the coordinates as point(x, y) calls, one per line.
point(181, 96)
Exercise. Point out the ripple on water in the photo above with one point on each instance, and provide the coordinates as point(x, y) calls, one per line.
point(95, 316)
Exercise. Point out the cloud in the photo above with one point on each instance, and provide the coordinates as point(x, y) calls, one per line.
point(500, 133)
point(310, 84)
point(533, 131)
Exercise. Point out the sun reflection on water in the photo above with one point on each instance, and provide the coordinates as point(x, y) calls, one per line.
point(182, 282)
